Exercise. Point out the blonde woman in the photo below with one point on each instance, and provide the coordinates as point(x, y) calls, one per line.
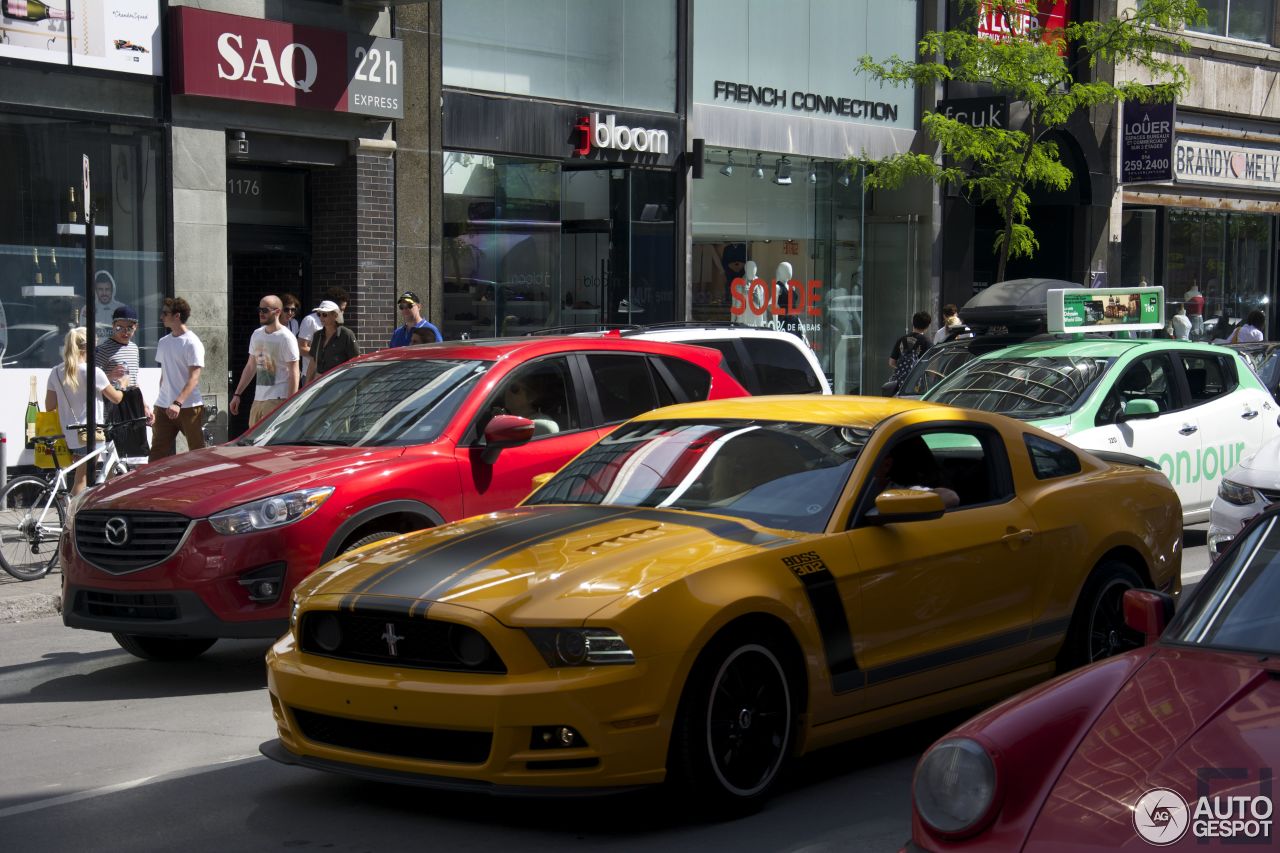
point(66, 393)
point(333, 344)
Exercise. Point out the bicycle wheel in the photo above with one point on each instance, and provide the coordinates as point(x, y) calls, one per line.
point(30, 525)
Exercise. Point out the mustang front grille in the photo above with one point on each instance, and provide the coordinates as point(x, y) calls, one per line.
point(453, 745)
point(398, 640)
point(119, 542)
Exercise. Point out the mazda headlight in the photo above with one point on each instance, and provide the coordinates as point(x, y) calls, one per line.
point(955, 786)
point(580, 646)
point(271, 512)
point(1235, 493)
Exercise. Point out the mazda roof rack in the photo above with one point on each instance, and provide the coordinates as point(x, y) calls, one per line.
point(625, 328)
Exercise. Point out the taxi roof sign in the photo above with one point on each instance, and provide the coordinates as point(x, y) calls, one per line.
point(1105, 309)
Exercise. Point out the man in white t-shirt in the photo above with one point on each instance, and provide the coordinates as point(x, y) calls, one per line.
point(179, 407)
point(311, 324)
point(273, 361)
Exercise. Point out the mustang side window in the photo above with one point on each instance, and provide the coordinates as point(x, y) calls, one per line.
point(1050, 460)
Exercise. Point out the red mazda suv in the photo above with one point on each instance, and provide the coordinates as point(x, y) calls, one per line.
point(210, 543)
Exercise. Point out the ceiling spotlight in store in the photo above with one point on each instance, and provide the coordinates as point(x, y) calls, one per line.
point(727, 168)
point(782, 172)
point(813, 172)
point(843, 180)
point(759, 170)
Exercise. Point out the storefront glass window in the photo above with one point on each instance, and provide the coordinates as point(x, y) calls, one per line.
point(616, 52)
point(1251, 20)
point(1138, 248)
point(529, 245)
point(1226, 256)
point(789, 231)
point(42, 271)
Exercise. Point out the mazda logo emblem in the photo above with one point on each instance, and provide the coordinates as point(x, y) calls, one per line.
point(116, 530)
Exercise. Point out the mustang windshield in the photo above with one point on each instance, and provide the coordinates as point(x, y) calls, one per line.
point(372, 403)
point(1238, 612)
point(784, 475)
point(1026, 388)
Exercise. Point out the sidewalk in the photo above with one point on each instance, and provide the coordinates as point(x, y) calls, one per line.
point(22, 601)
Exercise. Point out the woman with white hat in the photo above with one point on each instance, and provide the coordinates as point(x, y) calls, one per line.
point(333, 344)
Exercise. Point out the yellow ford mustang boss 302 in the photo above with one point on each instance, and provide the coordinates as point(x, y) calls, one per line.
point(715, 587)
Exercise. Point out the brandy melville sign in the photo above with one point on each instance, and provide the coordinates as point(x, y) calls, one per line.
point(1205, 161)
point(273, 62)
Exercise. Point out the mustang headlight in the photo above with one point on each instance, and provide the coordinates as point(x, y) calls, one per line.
point(267, 513)
point(955, 786)
point(580, 646)
point(1235, 493)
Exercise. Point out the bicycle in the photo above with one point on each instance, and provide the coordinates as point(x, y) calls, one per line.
point(34, 509)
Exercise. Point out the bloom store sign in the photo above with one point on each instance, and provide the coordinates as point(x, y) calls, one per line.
point(273, 62)
point(593, 132)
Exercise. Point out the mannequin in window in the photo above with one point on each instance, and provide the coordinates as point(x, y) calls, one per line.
point(1194, 302)
point(756, 298)
point(787, 294)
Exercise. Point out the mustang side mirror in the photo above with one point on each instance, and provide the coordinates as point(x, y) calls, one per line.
point(894, 506)
point(1147, 612)
point(504, 431)
point(1138, 409)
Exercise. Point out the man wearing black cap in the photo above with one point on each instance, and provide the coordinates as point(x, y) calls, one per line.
point(118, 358)
point(411, 318)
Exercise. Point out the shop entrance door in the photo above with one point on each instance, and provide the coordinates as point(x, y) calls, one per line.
point(262, 261)
point(893, 293)
point(595, 233)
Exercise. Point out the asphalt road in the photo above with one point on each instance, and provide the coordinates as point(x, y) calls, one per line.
point(104, 752)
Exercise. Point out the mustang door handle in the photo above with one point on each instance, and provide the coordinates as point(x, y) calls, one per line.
point(1249, 415)
point(1189, 429)
point(1017, 537)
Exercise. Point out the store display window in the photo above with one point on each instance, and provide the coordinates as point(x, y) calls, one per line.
point(42, 259)
point(1222, 257)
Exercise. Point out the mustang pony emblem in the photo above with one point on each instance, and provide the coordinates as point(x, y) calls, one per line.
point(392, 638)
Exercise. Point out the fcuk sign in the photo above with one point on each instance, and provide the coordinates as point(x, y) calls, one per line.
point(273, 62)
point(977, 112)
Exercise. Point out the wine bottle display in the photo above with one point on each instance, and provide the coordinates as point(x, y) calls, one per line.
point(53, 261)
point(33, 10)
point(32, 408)
point(35, 263)
point(72, 213)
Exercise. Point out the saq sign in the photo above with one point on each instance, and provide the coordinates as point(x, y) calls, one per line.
point(272, 62)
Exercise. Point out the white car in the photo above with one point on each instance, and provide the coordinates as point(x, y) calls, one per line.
point(1245, 491)
point(765, 361)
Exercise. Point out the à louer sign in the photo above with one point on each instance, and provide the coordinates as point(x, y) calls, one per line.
point(273, 62)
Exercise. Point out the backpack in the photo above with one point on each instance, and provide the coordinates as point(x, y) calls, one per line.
point(909, 350)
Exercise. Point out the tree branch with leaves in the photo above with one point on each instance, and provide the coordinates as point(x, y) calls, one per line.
point(1051, 73)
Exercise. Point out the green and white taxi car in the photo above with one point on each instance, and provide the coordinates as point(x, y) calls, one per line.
point(1193, 409)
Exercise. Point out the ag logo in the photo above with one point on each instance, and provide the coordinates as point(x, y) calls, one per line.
point(116, 530)
point(1161, 816)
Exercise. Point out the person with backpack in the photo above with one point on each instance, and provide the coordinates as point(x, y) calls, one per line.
point(907, 351)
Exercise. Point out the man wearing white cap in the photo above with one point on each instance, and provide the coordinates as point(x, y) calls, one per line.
point(333, 344)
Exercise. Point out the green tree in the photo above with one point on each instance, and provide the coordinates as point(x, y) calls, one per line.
point(1051, 73)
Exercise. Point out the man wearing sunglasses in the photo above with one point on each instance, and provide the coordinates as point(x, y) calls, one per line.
point(118, 358)
point(411, 318)
point(273, 362)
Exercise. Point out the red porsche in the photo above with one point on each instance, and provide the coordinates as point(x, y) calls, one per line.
point(1171, 745)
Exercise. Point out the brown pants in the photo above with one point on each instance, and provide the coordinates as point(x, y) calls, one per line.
point(164, 431)
point(261, 408)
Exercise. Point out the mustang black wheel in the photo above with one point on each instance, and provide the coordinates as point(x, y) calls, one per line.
point(734, 727)
point(1097, 627)
point(163, 648)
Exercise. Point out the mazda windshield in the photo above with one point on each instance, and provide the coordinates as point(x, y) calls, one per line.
point(1042, 386)
point(1236, 609)
point(372, 404)
point(778, 474)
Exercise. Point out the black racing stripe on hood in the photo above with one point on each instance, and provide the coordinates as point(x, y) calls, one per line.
point(444, 542)
point(427, 572)
point(723, 528)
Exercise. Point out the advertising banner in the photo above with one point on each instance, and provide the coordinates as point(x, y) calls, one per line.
point(1109, 309)
point(1147, 143)
point(111, 35)
point(1044, 17)
point(1247, 166)
point(274, 62)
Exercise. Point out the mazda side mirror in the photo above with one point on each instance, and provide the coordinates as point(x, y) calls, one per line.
point(505, 431)
point(1147, 612)
point(1139, 409)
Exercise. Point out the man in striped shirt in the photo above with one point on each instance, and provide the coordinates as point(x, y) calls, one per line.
point(118, 357)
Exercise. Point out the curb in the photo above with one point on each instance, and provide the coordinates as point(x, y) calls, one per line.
point(36, 605)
